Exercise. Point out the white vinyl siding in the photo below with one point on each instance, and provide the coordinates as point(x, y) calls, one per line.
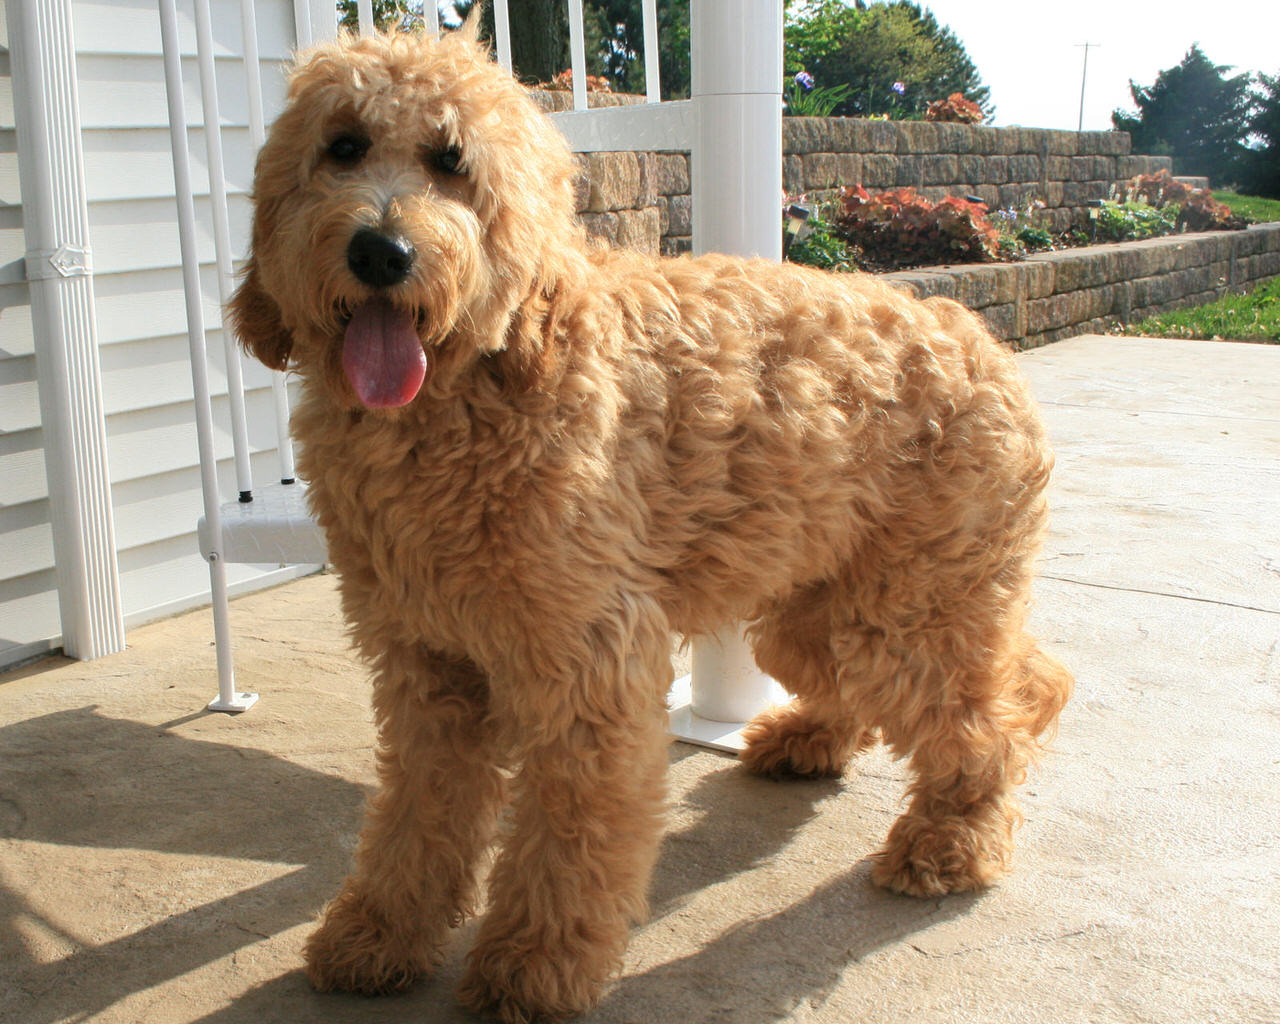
point(141, 317)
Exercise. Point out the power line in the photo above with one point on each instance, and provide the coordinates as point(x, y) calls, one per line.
point(1083, 73)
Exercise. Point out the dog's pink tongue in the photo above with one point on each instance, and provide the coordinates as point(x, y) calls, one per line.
point(382, 356)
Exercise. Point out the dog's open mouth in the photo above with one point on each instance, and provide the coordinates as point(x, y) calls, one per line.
point(382, 355)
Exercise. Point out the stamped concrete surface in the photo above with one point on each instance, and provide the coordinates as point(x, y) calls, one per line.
point(161, 864)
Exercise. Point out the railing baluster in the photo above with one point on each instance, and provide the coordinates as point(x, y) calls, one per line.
point(364, 11)
point(222, 241)
point(502, 29)
point(577, 55)
point(257, 135)
point(652, 87)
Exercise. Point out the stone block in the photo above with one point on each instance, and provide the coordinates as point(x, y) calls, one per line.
point(801, 135)
point(1057, 142)
point(1038, 278)
point(983, 139)
point(1001, 320)
point(675, 246)
point(872, 136)
point(972, 169)
point(977, 286)
point(917, 137)
point(819, 170)
point(640, 230)
point(679, 215)
point(647, 194)
point(939, 169)
point(615, 181)
point(954, 138)
point(1025, 167)
point(879, 170)
point(909, 171)
point(838, 135)
point(997, 170)
point(793, 174)
point(670, 173)
point(601, 225)
point(848, 168)
point(989, 194)
point(1008, 141)
point(581, 184)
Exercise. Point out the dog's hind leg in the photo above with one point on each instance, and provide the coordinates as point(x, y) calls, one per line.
point(970, 718)
point(588, 805)
point(820, 730)
point(424, 830)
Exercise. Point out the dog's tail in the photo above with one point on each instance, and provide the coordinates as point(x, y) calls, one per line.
point(1041, 686)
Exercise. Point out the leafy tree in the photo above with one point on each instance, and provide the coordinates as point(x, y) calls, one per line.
point(894, 56)
point(1196, 114)
point(1262, 166)
point(613, 36)
point(619, 44)
point(539, 35)
point(387, 14)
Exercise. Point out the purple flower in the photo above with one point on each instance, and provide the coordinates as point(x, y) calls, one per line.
point(899, 88)
point(804, 80)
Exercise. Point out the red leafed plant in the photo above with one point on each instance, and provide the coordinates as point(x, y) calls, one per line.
point(1199, 211)
point(900, 227)
point(1157, 189)
point(954, 108)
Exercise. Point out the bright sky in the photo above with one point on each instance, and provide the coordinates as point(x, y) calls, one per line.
point(1026, 50)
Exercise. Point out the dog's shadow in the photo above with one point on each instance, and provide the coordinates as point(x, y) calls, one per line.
point(763, 968)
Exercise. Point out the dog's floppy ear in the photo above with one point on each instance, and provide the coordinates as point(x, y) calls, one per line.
point(535, 355)
point(255, 317)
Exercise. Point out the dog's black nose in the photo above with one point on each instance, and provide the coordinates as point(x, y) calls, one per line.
point(380, 260)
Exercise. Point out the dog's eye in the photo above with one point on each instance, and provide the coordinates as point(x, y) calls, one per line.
point(448, 160)
point(348, 149)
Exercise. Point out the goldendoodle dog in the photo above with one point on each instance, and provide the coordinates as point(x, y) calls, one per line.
point(536, 460)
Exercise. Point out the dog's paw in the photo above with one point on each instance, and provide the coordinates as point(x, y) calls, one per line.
point(786, 743)
point(517, 985)
point(933, 858)
point(355, 950)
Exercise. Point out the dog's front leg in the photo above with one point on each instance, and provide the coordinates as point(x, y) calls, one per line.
point(574, 872)
point(424, 830)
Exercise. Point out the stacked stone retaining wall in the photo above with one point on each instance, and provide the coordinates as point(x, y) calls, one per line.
point(1077, 291)
point(626, 194)
point(1005, 167)
point(643, 201)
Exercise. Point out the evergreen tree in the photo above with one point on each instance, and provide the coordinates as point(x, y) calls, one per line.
point(894, 56)
point(1194, 113)
point(1262, 168)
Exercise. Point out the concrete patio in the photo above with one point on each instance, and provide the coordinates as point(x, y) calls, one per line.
point(161, 864)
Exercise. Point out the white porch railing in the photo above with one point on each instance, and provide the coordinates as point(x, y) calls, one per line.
point(732, 128)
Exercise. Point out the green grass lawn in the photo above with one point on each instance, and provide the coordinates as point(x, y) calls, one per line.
point(1252, 317)
point(1250, 207)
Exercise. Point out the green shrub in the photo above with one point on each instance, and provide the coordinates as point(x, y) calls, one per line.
point(1123, 221)
point(822, 247)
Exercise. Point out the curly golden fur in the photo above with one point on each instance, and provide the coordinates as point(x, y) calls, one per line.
point(536, 460)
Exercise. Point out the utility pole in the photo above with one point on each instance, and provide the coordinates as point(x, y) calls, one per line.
point(1084, 71)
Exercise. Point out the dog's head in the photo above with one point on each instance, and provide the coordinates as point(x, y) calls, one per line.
point(411, 208)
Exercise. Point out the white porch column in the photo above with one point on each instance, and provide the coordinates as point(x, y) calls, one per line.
point(736, 178)
point(59, 268)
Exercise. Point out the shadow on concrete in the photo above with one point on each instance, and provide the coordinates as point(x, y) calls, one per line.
point(79, 779)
